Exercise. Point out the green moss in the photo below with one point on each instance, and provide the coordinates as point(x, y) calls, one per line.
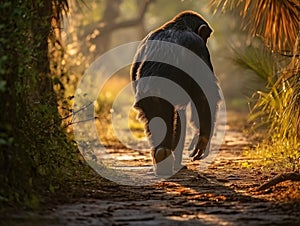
point(34, 150)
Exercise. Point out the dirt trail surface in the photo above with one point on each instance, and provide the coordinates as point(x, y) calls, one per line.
point(225, 194)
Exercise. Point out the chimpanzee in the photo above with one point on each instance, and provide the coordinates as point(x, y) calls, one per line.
point(190, 30)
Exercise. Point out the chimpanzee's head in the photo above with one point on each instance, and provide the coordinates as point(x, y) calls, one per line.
point(194, 21)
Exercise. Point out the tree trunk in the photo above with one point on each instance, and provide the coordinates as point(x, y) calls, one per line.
point(31, 153)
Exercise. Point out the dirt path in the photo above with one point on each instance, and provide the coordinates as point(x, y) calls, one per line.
point(222, 195)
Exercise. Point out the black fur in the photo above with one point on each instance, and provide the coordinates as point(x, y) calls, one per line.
point(183, 30)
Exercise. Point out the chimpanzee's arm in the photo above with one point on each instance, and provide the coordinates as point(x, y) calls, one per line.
point(202, 115)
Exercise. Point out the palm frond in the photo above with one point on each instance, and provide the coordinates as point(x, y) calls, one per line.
point(281, 104)
point(258, 60)
point(275, 20)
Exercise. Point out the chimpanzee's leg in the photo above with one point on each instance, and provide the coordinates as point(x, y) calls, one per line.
point(179, 138)
point(159, 127)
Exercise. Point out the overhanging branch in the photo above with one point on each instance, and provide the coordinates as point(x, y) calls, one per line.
point(112, 26)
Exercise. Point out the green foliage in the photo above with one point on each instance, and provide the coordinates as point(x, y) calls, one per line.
point(277, 111)
point(34, 151)
point(257, 59)
point(278, 107)
point(281, 106)
point(275, 154)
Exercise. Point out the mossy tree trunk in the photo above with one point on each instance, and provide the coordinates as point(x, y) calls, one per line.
point(34, 149)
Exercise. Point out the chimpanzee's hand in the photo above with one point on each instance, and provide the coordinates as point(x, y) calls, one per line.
point(199, 149)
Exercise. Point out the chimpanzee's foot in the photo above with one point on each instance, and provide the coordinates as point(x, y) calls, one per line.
point(162, 162)
point(197, 154)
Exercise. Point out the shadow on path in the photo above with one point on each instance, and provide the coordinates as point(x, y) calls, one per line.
point(222, 195)
point(188, 198)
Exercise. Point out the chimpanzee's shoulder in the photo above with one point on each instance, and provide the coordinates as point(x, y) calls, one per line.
point(181, 37)
point(161, 34)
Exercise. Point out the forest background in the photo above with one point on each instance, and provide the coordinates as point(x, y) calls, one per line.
point(47, 45)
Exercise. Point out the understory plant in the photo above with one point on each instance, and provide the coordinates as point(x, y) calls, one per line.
point(276, 109)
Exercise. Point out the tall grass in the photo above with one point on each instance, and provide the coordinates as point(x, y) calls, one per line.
point(278, 107)
point(278, 110)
